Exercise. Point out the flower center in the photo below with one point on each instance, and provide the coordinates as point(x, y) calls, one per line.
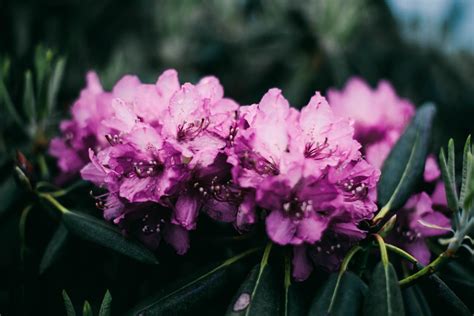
point(259, 164)
point(189, 131)
point(297, 209)
point(354, 189)
point(316, 151)
point(222, 192)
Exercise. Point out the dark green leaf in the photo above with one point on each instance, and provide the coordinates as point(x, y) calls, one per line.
point(193, 291)
point(68, 305)
point(7, 104)
point(441, 298)
point(107, 235)
point(106, 306)
point(384, 296)
point(405, 164)
point(8, 193)
point(29, 105)
point(258, 295)
point(449, 182)
point(294, 304)
point(86, 309)
point(414, 302)
point(54, 84)
point(345, 299)
point(54, 248)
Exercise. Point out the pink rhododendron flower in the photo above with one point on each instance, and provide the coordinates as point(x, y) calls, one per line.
point(416, 221)
point(380, 119)
point(305, 168)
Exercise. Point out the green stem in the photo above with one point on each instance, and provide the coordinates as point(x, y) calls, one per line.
point(383, 249)
point(22, 230)
point(287, 281)
point(401, 253)
point(43, 167)
point(54, 202)
point(429, 269)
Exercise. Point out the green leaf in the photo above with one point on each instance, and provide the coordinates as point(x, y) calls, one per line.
point(54, 248)
point(195, 290)
point(87, 309)
point(8, 193)
point(106, 306)
point(384, 296)
point(54, 84)
point(442, 298)
point(107, 235)
point(414, 302)
point(7, 104)
point(339, 298)
point(68, 304)
point(258, 295)
point(404, 166)
point(466, 169)
point(293, 302)
point(449, 182)
point(29, 105)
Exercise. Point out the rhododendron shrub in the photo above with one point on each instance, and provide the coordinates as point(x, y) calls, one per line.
point(165, 153)
point(380, 117)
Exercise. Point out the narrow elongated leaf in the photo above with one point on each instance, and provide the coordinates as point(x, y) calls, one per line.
point(7, 104)
point(466, 170)
point(414, 303)
point(87, 309)
point(107, 235)
point(342, 299)
point(258, 295)
point(68, 305)
point(54, 84)
point(193, 291)
point(442, 298)
point(29, 105)
point(449, 182)
point(405, 164)
point(106, 306)
point(384, 296)
point(54, 248)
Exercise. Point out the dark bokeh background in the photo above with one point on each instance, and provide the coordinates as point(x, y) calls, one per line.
point(425, 49)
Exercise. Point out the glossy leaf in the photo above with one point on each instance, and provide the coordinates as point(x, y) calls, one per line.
point(193, 291)
point(414, 302)
point(68, 305)
point(405, 164)
point(442, 298)
point(106, 306)
point(54, 248)
point(342, 299)
point(258, 295)
point(107, 235)
point(384, 296)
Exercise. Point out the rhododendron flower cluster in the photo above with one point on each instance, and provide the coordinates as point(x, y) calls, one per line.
point(165, 153)
point(380, 118)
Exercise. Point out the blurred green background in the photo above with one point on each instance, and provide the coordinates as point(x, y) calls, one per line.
point(425, 48)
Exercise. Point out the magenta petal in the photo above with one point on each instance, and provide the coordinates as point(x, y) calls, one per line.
point(432, 171)
point(246, 213)
point(302, 266)
point(220, 210)
point(177, 237)
point(311, 228)
point(419, 250)
point(434, 219)
point(280, 228)
point(186, 211)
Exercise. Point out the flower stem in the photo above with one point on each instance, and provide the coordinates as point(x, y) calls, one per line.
point(425, 271)
point(54, 202)
point(401, 253)
point(383, 249)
